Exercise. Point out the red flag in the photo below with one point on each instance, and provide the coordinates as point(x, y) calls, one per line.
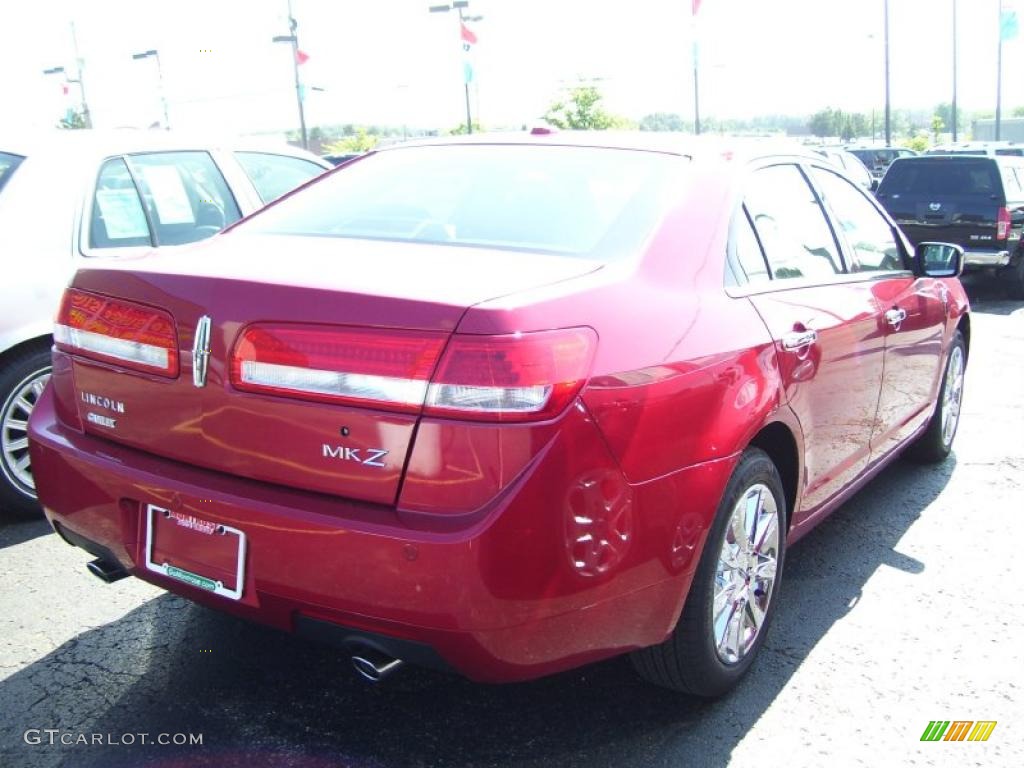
point(64, 89)
point(696, 6)
point(468, 35)
point(301, 57)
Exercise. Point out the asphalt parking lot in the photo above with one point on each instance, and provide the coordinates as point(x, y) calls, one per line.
point(902, 608)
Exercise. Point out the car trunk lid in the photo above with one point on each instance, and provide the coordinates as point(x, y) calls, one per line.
point(239, 282)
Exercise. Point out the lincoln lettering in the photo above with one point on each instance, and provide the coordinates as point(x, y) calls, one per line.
point(98, 401)
point(371, 459)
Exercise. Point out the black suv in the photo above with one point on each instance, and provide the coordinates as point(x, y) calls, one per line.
point(973, 201)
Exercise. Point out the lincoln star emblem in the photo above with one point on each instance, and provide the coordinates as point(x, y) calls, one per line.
point(201, 351)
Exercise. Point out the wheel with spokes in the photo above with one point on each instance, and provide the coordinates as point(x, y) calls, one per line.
point(732, 597)
point(23, 377)
point(936, 442)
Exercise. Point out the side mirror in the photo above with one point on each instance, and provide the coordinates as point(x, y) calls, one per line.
point(938, 260)
point(874, 184)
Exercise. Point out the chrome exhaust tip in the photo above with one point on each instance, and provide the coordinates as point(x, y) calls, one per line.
point(374, 666)
point(105, 571)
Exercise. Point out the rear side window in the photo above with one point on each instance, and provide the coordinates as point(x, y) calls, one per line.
point(870, 238)
point(276, 175)
point(932, 177)
point(167, 198)
point(791, 225)
point(1011, 152)
point(601, 203)
point(118, 219)
point(8, 164)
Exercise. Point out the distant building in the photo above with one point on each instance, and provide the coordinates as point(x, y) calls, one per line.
point(1010, 129)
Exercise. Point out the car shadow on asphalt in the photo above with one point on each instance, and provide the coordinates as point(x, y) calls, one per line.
point(15, 530)
point(263, 698)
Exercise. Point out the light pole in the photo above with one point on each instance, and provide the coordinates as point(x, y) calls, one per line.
point(999, 76)
point(460, 6)
point(86, 117)
point(888, 116)
point(153, 53)
point(953, 106)
point(293, 38)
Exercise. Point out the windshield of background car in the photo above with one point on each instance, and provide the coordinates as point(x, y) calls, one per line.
point(955, 178)
point(8, 163)
point(578, 201)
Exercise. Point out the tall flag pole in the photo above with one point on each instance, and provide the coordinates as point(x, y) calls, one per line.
point(468, 39)
point(1009, 26)
point(694, 8)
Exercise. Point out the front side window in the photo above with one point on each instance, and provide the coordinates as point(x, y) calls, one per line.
point(791, 225)
point(576, 201)
point(276, 175)
point(871, 239)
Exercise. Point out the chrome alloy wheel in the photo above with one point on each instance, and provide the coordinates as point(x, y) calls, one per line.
point(14, 429)
point(952, 394)
point(745, 576)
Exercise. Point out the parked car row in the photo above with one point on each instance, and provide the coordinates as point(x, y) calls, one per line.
point(72, 199)
point(505, 405)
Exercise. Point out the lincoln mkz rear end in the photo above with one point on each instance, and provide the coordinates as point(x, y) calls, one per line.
point(472, 406)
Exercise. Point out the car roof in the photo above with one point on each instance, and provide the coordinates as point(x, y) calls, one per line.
point(104, 143)
point(686, 145)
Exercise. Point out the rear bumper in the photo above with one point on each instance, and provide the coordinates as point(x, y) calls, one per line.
point(504, 598)
point(986, 258)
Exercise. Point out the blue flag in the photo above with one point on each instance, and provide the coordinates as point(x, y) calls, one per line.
point(1008, 25)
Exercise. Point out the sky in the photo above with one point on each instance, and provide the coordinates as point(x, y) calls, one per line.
point(392, 62)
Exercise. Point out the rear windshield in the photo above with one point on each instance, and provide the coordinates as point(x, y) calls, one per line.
point(569, 200)
point(8, 164)
point(957, 178)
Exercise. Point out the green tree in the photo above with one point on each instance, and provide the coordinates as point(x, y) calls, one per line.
point(460, 129)
point(361, 141)
point(582, 111)
point(73, 120)
point(937, 126)
point(823, 123)
point(1018, 112)
point(662, 121)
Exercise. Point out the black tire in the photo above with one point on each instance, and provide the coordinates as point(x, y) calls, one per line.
point(18, 371)
point(688, 661)
point(1012, 277)
point(934, 444)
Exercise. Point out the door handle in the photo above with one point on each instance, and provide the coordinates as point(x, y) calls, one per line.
point(895, 317)
point(798, 340)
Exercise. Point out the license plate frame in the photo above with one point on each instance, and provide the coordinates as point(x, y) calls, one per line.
point(185, 576)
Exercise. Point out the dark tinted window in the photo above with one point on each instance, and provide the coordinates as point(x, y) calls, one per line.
point(958, 178)
point(1011, 152)
point(7, 165)
point(872, 243)
point(276, 175)
point(791, 225)
point(570, 200)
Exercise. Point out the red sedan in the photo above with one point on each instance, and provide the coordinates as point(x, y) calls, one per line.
point(504, 405)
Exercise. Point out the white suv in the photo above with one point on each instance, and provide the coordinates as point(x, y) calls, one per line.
point(70, 197)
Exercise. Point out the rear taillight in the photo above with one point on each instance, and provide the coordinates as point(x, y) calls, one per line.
point(117, 331)
point(1003, 224)
point(357, 366)
point(518, 377)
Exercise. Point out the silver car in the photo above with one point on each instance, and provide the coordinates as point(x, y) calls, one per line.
point(70, 197)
